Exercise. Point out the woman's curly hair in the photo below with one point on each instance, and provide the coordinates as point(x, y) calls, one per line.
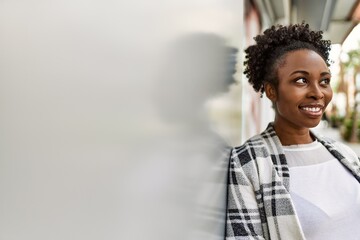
point(263, 58)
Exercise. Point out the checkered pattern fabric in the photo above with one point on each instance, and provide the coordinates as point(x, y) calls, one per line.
point(259, 203)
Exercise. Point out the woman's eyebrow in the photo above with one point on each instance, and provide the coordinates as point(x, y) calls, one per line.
point(300, 71)
point(307, 73)
point(325, 73)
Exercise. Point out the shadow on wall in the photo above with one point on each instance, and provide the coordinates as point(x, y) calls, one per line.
point(187, 158)
point(196, 68)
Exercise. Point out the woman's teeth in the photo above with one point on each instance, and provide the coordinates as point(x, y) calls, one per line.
point(312, 109)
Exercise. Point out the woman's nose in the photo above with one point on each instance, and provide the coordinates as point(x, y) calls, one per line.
point(315, 92)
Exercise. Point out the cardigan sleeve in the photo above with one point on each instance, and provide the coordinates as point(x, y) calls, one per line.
point(243, 220)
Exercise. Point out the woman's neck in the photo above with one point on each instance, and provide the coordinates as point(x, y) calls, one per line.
point(291, 136)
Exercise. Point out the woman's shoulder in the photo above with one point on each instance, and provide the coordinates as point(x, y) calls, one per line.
point(250, 150)
point(261, 140)
point(345, 150)
point(250, 143)
point(339, 147)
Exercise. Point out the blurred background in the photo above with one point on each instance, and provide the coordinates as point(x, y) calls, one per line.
point(117, 117)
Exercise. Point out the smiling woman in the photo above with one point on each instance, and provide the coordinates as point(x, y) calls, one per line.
point(301, 96)
point(287, 182)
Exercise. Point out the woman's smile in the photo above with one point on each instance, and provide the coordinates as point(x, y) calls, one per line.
point(312, 111)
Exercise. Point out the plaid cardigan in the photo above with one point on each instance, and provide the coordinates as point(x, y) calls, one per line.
point(259, 205)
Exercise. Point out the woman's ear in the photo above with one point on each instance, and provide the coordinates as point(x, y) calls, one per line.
point(270, 92)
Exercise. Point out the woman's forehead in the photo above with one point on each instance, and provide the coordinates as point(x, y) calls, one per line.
point(302, 58)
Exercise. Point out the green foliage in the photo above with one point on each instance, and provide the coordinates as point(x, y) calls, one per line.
point(347, 128)
point(336, 121)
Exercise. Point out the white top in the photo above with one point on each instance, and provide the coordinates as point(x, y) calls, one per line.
point(325, 194)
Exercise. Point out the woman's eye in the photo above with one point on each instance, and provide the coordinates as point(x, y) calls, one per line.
point(325, 81)
point(301, 80)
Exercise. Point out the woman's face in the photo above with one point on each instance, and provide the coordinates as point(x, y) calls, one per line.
point(303, 90)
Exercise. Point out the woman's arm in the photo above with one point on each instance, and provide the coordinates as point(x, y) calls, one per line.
point(243, 219)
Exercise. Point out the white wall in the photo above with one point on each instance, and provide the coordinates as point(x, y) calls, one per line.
point(102, 130)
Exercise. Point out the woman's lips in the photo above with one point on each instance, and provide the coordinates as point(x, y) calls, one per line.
point(312, 111)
